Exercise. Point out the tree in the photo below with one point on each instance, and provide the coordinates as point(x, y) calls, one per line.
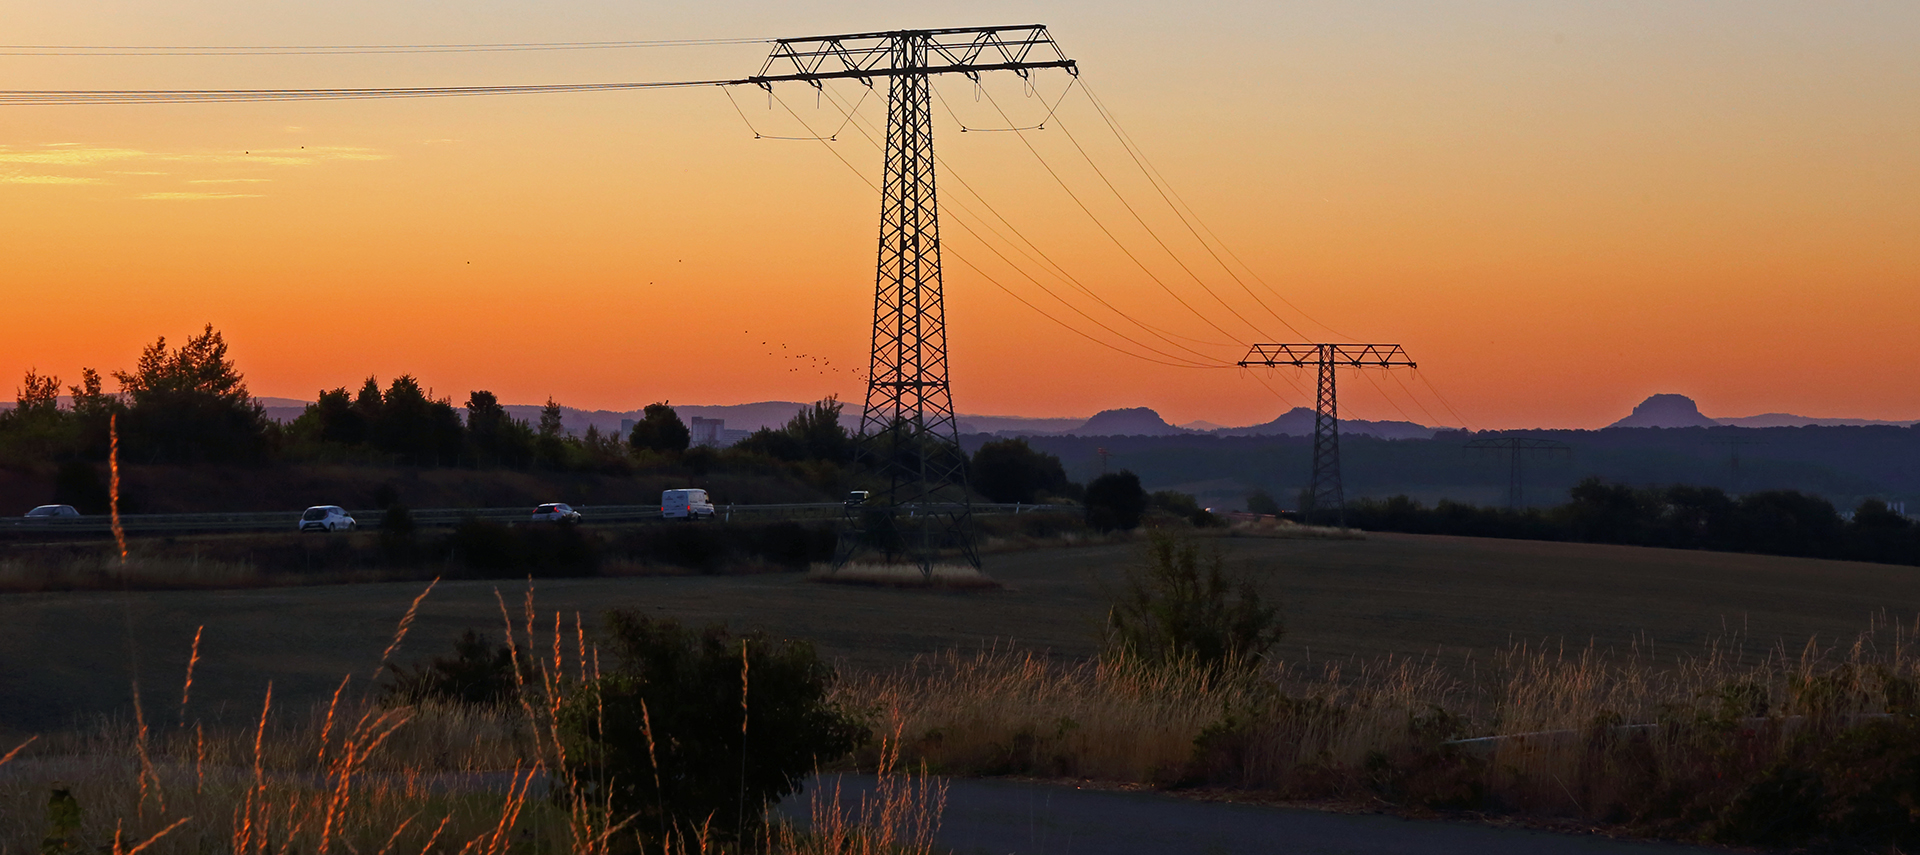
point(190, 403)
point(333, 418)
point(660, 429)
point(551, 444)
point(37, 398)
point(1009, 470)
point(691, 729)
point(1261, 502)
point(1182, 607)
point(814, 433)
point(413, 427)
point(494, 435)
point(1115, 501)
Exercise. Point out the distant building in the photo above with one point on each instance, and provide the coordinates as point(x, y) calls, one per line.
point(708, 432)
point(626, 428)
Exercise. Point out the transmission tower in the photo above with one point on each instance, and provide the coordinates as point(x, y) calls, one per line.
point(1519, 447)
point(1325, 495)
point(1733, 444)
point(908, 438)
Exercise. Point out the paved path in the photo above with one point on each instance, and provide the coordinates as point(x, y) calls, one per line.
point(989, 817)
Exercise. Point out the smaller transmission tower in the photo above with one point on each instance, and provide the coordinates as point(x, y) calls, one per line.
point(1733, 444)
point(1519, 447)
point(1325, 497)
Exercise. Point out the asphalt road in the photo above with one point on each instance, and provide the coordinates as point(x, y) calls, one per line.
point(993, 817)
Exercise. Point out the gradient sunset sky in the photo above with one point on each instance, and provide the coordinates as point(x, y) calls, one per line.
point(1558, 207)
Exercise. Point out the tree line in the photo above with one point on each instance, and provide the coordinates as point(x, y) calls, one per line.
point(189, 404)
point(1769, 522)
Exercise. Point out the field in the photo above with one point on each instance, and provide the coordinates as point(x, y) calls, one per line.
point(1459, 601)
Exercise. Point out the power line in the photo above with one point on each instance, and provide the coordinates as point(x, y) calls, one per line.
point(225, 96)
point(1144, 225)
point(1045, 262)
point(348, 50)
point(1127, 141)
point(850, 116)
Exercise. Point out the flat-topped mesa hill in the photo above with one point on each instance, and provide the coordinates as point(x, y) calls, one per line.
point(1130, 421)
point(1679, 411)
point(1666, 411)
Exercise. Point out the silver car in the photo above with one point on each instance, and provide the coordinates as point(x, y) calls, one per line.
point(45, 512)
point(327, 518)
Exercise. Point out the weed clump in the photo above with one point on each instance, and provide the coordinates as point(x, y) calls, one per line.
point(698, 730)
point(1182, 606)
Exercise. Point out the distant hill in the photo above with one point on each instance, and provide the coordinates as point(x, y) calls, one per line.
point(1665, 411)
point(1131, 421)
point(1678, 411)
point(1299, 422)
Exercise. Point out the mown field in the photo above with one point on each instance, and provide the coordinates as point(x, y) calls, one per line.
point(1457, 600)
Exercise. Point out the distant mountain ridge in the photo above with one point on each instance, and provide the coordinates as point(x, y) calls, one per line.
point(1664, 410)
point(1667, 410)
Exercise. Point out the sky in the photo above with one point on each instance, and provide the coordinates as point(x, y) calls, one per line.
point(1558, 208)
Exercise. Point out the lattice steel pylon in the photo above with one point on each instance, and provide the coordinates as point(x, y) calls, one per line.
point(1519, 447)
point(908, 438)
point(1325, 495)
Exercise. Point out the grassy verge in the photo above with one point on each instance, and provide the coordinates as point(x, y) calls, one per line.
point(363, 773)
point(1817, 747)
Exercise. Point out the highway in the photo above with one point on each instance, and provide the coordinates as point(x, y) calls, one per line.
point(20, 528)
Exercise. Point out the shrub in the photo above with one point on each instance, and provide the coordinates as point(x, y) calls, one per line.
point(1261, 502)
point(492, 550)
point(1009, 470)
point(694, 729)
point(1182, 607)
point(1115, 501)
point(480, 673)
point(77, 483)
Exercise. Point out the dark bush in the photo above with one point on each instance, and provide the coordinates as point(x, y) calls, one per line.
point(690, 727)
point(1009, 470)
point(1857, 789)
point(1115, 501)
point(397, 531)
point(78, 483)
point(479, 673)
point(1182, 607)
point(491, 549)
point(1261, 502)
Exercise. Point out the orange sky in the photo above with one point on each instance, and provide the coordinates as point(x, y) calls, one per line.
point(1559, 208)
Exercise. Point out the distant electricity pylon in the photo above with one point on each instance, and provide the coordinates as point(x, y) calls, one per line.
point(1519, 447)
point(1324, 494)
point(908, 436)
point(1733, 444)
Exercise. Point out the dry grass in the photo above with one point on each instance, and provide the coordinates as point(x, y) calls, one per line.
point(101, 570)
point(354, 775)
point(1606, 736)
point(945, 576)
point(1286, 530)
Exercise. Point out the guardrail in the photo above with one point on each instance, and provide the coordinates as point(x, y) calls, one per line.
point(241, 522)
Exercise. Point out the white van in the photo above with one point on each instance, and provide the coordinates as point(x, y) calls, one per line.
point(685, 505)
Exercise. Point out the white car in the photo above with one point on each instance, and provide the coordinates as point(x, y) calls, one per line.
point(556, 512)
point(686, 505)
point(328, 518)
point(52, 512)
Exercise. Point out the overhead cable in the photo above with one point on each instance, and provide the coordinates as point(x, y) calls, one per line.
point(335, 50)
point(197, 96)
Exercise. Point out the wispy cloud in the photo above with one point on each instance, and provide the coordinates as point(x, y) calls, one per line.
point(195, 197)
point(68, 155)
point(30, 178)
point(84, 163)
